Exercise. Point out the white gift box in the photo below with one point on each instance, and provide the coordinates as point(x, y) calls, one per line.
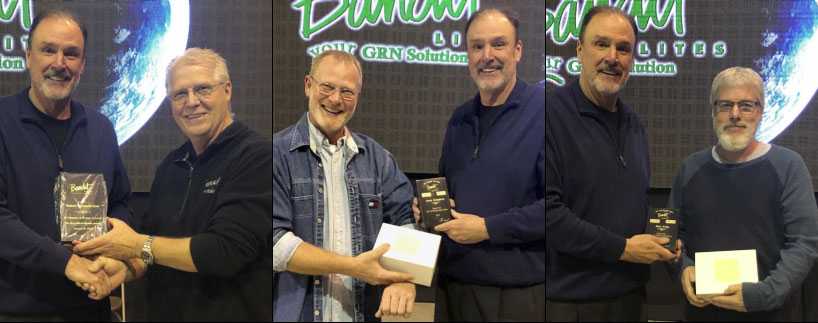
point(717, 270)
point(410, 251)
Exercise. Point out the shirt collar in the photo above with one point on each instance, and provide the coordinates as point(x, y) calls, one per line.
point(318, 139)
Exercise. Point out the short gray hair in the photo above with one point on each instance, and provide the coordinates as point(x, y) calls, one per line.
point(341, 56)
point(737, 76)
point(200, 57)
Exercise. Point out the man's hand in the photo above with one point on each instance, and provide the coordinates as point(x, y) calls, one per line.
point(96, 284)
point(732, 299)
point(115, 270)
point(678, 253)
point(646, 249)
point(416, 211)
point(121, 242)
point(464, 228)
point(368, 268)
point(397, 299)
point(688, 278)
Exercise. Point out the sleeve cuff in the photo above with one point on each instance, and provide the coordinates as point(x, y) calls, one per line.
point(284, 249)
point(615, 249)
point(63, 254)
point(751, 294)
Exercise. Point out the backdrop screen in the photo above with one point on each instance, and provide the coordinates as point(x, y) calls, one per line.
point(414, 64)
point(682, 45)
point(128, 48)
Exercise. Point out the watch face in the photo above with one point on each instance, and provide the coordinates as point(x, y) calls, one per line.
point(146, 256)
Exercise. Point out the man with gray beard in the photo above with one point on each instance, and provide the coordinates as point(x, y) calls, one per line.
point(745, 194)
point(44, 132)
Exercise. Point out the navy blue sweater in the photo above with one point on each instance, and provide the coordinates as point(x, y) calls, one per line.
point(503, 181)
point(766, 204)
point(596, 197)
point(32, 263)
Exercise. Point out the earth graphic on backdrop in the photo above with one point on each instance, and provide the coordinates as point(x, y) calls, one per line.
point(147, 36)
point(789, 67)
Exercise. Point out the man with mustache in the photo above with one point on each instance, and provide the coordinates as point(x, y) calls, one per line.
point(598, 175)
point(492, 261)
point(745, 194)
point(44, 132)
point(332, 190)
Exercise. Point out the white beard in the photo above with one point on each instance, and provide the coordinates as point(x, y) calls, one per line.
point(734, 143)
point(607, 88)
point(737, 142)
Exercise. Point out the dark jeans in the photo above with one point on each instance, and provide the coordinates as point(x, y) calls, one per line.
point(626, 308)
point(458, 302)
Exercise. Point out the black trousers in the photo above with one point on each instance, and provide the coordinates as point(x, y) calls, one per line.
point(458, 302)
point(84, 314)
point(626, 308)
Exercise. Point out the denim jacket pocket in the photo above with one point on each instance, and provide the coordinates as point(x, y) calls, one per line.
point(302, 199)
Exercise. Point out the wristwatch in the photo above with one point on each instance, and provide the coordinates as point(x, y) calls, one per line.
point(147, 254)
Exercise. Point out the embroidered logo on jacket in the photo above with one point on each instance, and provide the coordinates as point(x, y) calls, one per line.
point(210, 186)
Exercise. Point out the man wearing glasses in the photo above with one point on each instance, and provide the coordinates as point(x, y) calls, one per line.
point(206, 235)
point(745, 194)
point(332, 191)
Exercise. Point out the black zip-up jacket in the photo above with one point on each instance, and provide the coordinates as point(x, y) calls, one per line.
point(501, 180)
point(223, 200)
point(596, 197)
point(32, 263)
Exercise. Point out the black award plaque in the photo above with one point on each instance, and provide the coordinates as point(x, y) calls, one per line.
point(433, 201)
point(663, 223)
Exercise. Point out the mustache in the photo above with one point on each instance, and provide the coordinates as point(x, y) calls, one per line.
point(494, 64)
point(60, 73)
point(737, 125)
point(609, 68)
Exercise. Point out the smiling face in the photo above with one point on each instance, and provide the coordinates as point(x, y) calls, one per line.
point(734, 129)
point(56, 59)
point(493, 53)
point(606, 54)
point(201, 117)
point(333, 90)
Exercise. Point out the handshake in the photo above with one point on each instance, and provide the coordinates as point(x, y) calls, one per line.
point(97, 276)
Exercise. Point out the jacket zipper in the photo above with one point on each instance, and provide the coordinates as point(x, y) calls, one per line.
point(476, 152)
point(620, 144)
point(189, 180)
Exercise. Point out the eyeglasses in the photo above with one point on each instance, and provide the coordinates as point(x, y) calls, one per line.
point(327, 89)
point(746, 108)
point(202, 91)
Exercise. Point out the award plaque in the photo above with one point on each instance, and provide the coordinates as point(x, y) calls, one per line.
point(81, 204)
point(663, 223)
point(433, 202)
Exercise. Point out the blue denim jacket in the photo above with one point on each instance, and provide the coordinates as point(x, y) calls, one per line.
point(378, 193)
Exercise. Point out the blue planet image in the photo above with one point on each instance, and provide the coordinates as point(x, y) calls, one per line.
point(789, 67)
point(147, 36)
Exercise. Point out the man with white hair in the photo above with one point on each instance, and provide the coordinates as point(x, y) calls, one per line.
point(209, 225)
point(745, 194)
